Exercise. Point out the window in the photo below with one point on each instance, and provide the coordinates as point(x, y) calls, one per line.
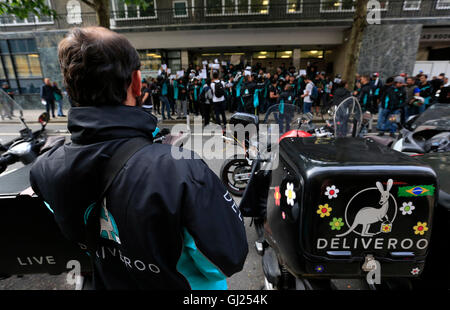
point(180, 8)
point(263, 55)
point(236, 7)
point(345, 5)
point(150, 62)
point(337, 5)
point(122, 11)
point(294, 6)
point(443, 4)
point(31, 19)
point(73, 8)
point(284, 54)
point(411, 5)
point(20, 65)
point(311, 54)
point(174, 60)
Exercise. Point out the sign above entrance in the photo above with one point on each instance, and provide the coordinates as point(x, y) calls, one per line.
point(435, 35)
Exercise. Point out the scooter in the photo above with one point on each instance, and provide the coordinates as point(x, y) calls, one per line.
point(423, 133)
point(29, 145)
point(344, 213)
point(235, 171)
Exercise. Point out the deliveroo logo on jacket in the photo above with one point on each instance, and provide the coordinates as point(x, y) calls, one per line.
point(108, 227)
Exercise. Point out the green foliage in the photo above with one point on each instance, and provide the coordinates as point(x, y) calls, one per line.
point(22, 8)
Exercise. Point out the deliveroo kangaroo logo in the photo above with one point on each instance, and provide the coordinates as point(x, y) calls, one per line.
point(369, 215)
point(108, 227)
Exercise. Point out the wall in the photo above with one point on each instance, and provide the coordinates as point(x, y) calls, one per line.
point(389, 49)
point(236, 37)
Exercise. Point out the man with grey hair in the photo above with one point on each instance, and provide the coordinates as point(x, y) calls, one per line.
point(48, 95)
point(163, 223)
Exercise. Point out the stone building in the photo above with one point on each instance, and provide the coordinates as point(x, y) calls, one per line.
point(269, 32)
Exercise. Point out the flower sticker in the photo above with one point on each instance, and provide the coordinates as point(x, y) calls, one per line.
point(290, 194)
point(324, 210)
point(336, 223)
point(407, 208)
point(331, 191)
point(319, 268)
point(415, 271)
point(386, 228)
point(277, 195)
point(420, 228)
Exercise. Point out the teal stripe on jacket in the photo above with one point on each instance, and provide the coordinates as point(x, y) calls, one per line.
point(197, 269)
point(175, 90)
point(164, 89)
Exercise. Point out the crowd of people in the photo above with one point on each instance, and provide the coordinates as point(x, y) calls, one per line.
point(254, 90)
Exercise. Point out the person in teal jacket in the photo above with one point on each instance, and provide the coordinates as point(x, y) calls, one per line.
point(57, 93)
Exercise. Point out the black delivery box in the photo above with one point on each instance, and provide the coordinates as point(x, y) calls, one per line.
point(336, 204)
point(31, 240)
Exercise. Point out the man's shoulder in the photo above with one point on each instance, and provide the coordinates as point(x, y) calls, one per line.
point(164, 157)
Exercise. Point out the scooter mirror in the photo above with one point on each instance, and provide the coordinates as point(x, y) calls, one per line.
point(409, 124)
point(44, 118)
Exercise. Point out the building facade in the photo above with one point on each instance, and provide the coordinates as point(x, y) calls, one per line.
point(269, 32)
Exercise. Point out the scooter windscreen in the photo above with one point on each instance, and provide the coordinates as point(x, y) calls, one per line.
point(348, 118)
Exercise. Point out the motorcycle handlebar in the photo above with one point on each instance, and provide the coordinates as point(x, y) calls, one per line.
point(5, 161)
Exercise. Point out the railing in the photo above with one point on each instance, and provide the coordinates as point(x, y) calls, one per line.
point(310, 11)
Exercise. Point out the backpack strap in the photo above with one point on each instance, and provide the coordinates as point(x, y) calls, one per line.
point(113, 167)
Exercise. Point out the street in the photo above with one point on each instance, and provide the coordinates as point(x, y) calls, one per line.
point(250, 278)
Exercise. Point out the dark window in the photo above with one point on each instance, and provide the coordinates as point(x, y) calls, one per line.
point(20, 65)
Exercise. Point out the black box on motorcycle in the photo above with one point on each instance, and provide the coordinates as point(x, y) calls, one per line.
point(31, 240)
point(341, 207)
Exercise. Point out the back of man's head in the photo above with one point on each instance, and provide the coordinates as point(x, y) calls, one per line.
point(97, 65)
point(215, 75)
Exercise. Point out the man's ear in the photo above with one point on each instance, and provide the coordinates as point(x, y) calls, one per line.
point(136, 83)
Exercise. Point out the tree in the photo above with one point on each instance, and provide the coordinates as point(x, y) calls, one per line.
point(22, 8)
point(102, 9)
point(355, 40)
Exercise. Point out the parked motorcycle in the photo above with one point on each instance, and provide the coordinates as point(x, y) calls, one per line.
point(235, 172)
point(29, 145)
point(344, 212)
point(423, 133)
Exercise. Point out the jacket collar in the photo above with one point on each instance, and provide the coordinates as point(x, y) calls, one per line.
point(96, 124)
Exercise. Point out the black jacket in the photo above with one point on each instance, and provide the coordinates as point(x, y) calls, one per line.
point(393, 98)
point(365, 97)
point(47, 92)
point(168, 223)
point(340, 94)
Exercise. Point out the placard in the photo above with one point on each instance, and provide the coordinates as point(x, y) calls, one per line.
point(235, 59)
point(203, 74)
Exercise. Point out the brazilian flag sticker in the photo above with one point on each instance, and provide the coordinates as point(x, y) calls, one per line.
point(416, 191)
